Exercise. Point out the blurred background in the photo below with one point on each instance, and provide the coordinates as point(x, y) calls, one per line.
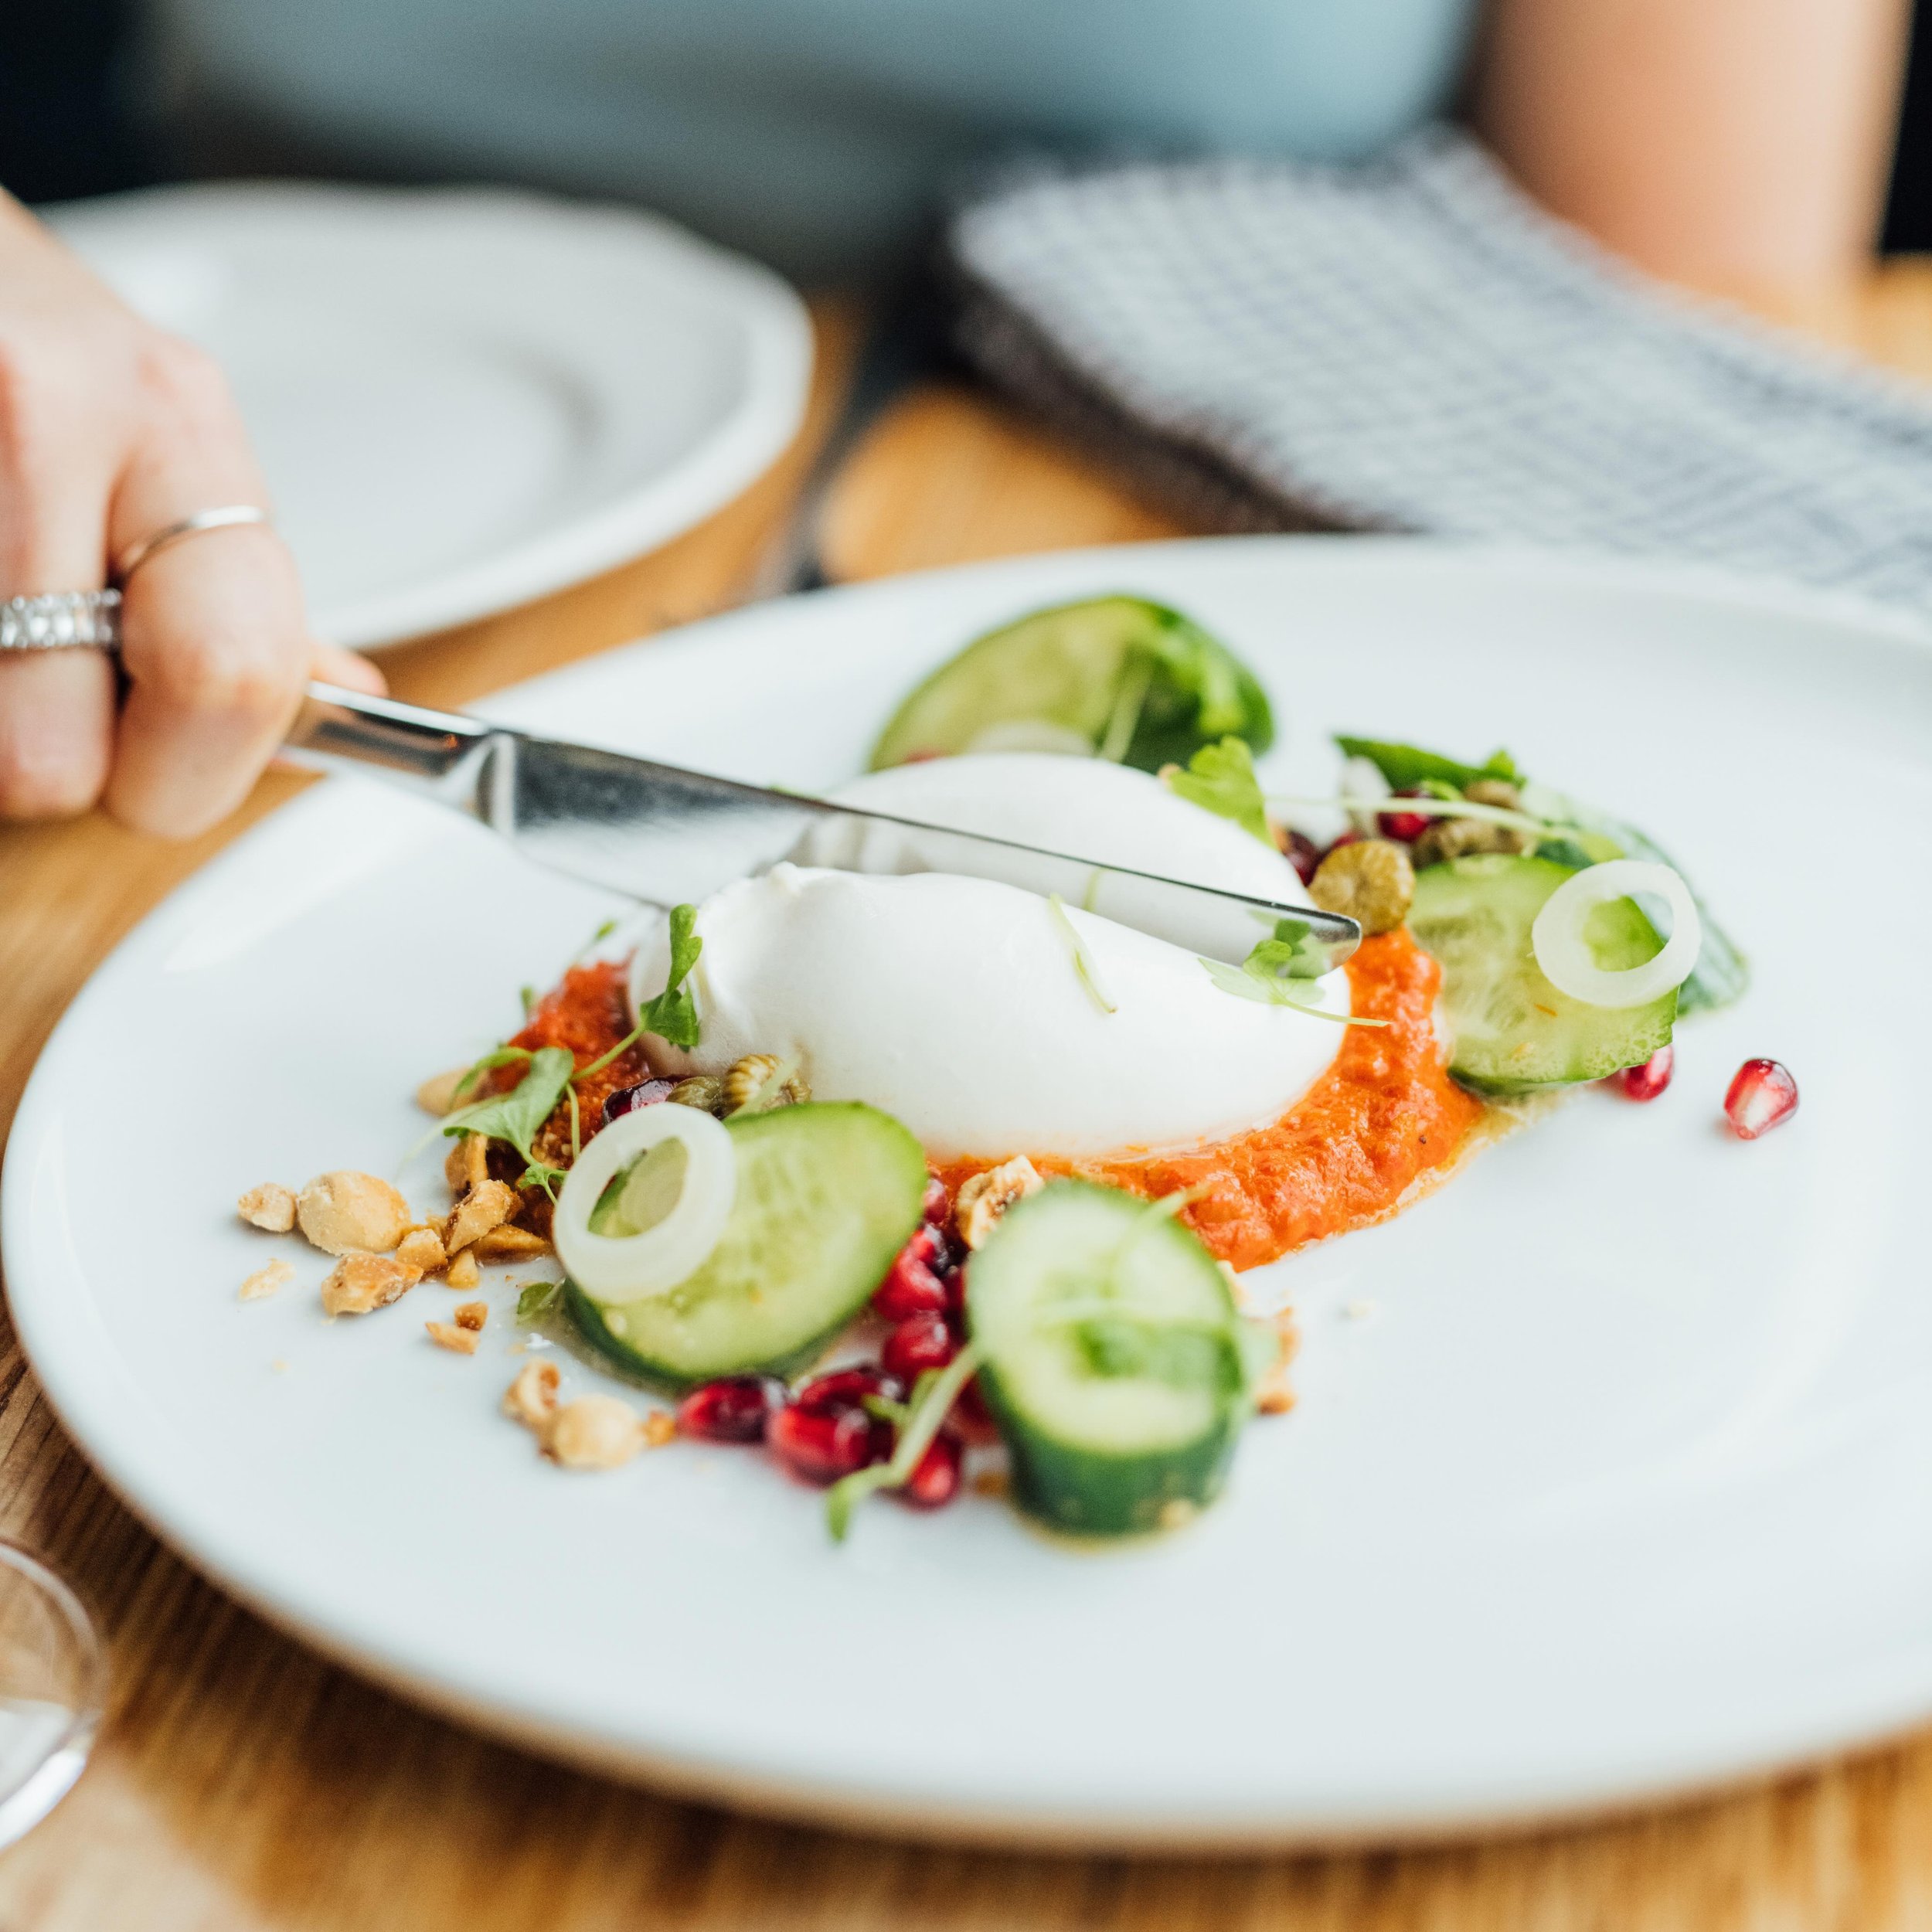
point(97, 96)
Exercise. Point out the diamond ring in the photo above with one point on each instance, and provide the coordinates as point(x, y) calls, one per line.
point(61, 619)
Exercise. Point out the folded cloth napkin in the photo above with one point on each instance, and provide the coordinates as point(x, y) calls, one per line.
point(1413, 345)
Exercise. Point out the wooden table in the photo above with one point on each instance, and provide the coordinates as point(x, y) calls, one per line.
point(242, 1783)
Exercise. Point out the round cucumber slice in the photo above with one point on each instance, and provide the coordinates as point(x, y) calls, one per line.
point(826, 1195)
point(1118, 676)
point(1511, 1030)
point(1115, 1362)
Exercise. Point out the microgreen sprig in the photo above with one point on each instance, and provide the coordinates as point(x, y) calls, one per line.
point(1083, 960)
point(933, 1398)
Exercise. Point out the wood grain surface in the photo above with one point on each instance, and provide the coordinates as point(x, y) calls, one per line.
point(243, 1784)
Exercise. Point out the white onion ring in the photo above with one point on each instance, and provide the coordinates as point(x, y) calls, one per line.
point(612, 1269)
point(1564, 954)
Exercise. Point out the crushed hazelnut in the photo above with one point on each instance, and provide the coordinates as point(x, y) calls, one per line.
point(1371, 882)
point(437, 1094)
point(264, 1281)
point(1275, 1397)
point(660, 1427)
point(346, 1213)
point(507, 1244)
point(358, 1283)
point(531, 1399)
point(422, 1247)
point(984, 1199)
point(595, 1432)
point(990, 1482)
point(447, 1336)
point(464, 1273)
point(472, 1314)
point(270, 1207)
point(487, 1205)
point(467, 1163)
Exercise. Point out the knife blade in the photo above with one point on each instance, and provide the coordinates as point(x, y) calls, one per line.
point(667, 836)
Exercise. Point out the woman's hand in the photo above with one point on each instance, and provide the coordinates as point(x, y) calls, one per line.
point(109, 430)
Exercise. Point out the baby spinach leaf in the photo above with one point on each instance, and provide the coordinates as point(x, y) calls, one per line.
point(1405, 766)
point(1220, 779)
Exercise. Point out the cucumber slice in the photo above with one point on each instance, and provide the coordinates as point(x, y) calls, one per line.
point(1118, 675)
point(1511, 1030)
point(826, 1195)
point(1115, 1365)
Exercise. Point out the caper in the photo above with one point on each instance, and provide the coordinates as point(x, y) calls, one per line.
point(703, 1091)
point(1460, 837)
point(1370, 881)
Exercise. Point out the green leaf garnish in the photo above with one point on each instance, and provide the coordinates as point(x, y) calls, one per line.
point(516, 1116)
point(1220, 779)
point(1277, 972)
point(536, 1301)
point(1406, 765)
point(1082, 962)
point(673, 1014)
point(932, 1402)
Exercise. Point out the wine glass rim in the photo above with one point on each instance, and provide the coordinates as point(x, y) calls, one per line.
point(91, 1678)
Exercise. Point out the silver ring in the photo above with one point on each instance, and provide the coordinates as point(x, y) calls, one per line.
point(60, 619)
point(224, 517)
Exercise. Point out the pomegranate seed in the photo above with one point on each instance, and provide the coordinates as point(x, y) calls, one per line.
point(1762, 1094)
point(919, 1342)
point(912, 1285)
point(939, 1203)
point(628, 1099)
point(1301, 851)
point(822, 1445)
point(846, 1388)
point(1408, 826)
point(1646, 1082)
point(735, 1409)
point(935, 1481)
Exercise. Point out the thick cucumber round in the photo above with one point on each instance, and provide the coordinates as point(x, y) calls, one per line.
point(826, 1195)
point(1511, 1030)
point(1113, 1359)
point(1143, 682)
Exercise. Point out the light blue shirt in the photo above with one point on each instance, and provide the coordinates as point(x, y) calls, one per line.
point(821, 134)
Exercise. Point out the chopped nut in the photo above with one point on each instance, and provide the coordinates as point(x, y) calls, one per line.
point(422, 1247)
point(1462, 838)
point(990, 1482)
point(467, 1163)
point(487, 1205)
point(464, 1272)
point(264, 1281)
point(437, 1094)
point(660, 1427)
point(531, 1399)
point(346, 1213)
point(595, 1432)
point(360, 1283)
point(702, 1091)
point(472, 1314)
point(746, 1076)
point(457, 1340)
point(270, 1207)
point(508, 1243)
point(1275, 1397)
point(1371, 882)
point(984, 1199)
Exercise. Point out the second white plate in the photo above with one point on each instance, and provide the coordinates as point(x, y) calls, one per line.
point(465, 399)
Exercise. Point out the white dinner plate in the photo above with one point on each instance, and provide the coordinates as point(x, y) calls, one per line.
point(463, 399)
point(1611, 1472)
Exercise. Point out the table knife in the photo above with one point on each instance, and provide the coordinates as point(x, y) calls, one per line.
point(664, 835)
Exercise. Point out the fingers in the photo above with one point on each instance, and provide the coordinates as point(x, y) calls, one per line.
point(334, 665)
point(214, 643)
point(57, 707)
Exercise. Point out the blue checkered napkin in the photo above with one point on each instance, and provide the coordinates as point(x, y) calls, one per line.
point(1413, 345)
